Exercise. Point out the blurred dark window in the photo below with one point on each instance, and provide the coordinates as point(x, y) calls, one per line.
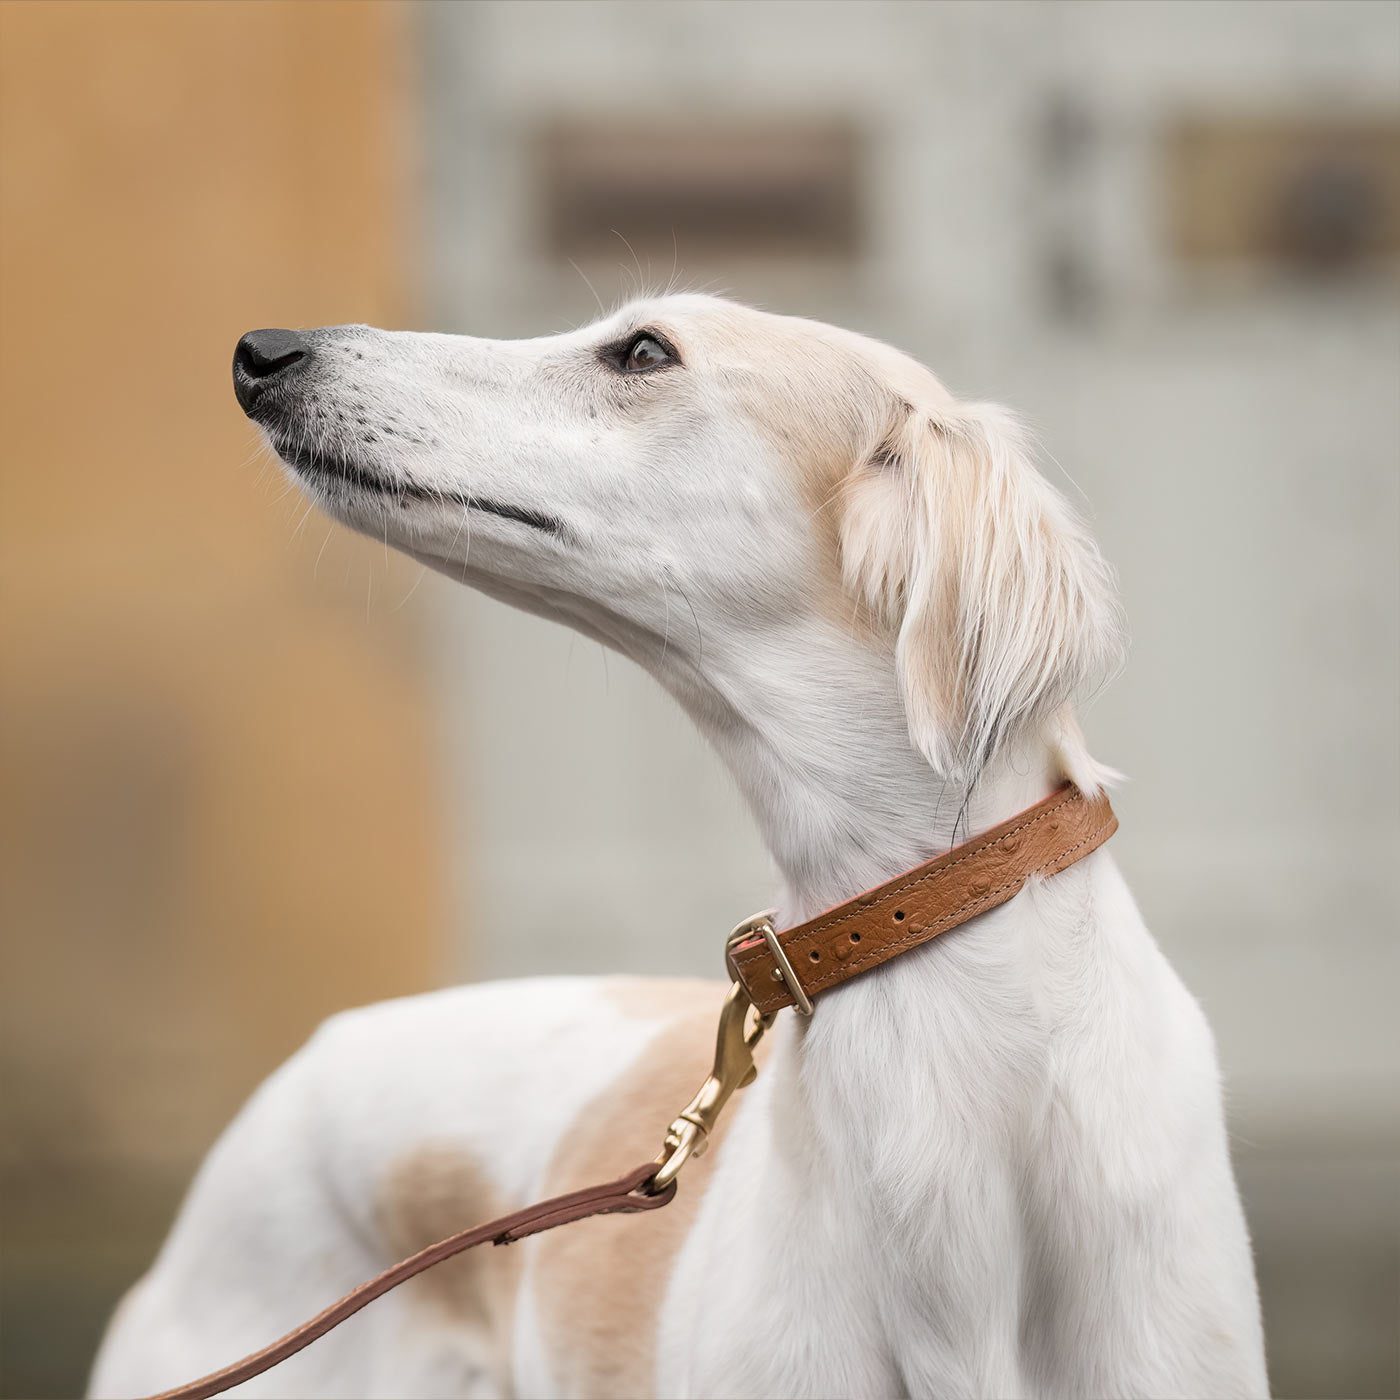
point(1313, 197)
point(732, 190)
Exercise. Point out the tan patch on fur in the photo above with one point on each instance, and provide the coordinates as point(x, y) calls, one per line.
point(599, 1284)
point(435, 1191)
point(664, 999)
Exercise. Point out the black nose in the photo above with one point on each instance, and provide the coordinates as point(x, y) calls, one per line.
point(263, 356)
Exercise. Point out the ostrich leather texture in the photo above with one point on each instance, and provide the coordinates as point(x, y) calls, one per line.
point(918, 905)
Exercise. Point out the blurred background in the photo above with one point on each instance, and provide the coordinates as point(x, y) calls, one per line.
point(255, 770)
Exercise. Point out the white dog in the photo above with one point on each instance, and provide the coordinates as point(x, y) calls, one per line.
point(996, 1166)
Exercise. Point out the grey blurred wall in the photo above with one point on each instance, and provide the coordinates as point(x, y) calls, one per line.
point(1237, 441)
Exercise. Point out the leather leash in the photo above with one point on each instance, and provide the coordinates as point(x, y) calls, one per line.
point(624, 1195)
point(771, 970)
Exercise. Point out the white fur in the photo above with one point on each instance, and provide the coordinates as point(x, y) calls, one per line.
point(996, 1166)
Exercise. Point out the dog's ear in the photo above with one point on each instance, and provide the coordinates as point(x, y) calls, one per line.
point(1003, 606)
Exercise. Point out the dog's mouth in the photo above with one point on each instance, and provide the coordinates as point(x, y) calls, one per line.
point(326, 469)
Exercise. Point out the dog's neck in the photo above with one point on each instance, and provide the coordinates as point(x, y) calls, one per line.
point(818, 740)
point(809, 720)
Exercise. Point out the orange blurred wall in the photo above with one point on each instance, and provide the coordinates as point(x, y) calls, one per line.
point(219, 817)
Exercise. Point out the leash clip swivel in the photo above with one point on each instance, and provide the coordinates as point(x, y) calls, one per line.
point(741, 1027)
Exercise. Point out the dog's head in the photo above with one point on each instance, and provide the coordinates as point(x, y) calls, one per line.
point(697, 483)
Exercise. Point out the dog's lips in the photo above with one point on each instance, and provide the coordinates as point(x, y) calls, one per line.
point(316, 465)
point(320, 467)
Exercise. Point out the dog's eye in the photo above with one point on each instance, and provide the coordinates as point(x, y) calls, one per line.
point(645, 352)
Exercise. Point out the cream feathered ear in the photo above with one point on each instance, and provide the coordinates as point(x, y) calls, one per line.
point(1004, 607)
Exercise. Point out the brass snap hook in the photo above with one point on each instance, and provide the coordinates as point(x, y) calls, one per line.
point(740, 1030)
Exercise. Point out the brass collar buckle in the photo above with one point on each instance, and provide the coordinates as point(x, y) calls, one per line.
point(762, 924)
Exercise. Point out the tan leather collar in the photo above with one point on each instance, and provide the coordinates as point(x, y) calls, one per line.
point(853, 937)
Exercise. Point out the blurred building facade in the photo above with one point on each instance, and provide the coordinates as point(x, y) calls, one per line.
point(255, 771)
point(1140, 225)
